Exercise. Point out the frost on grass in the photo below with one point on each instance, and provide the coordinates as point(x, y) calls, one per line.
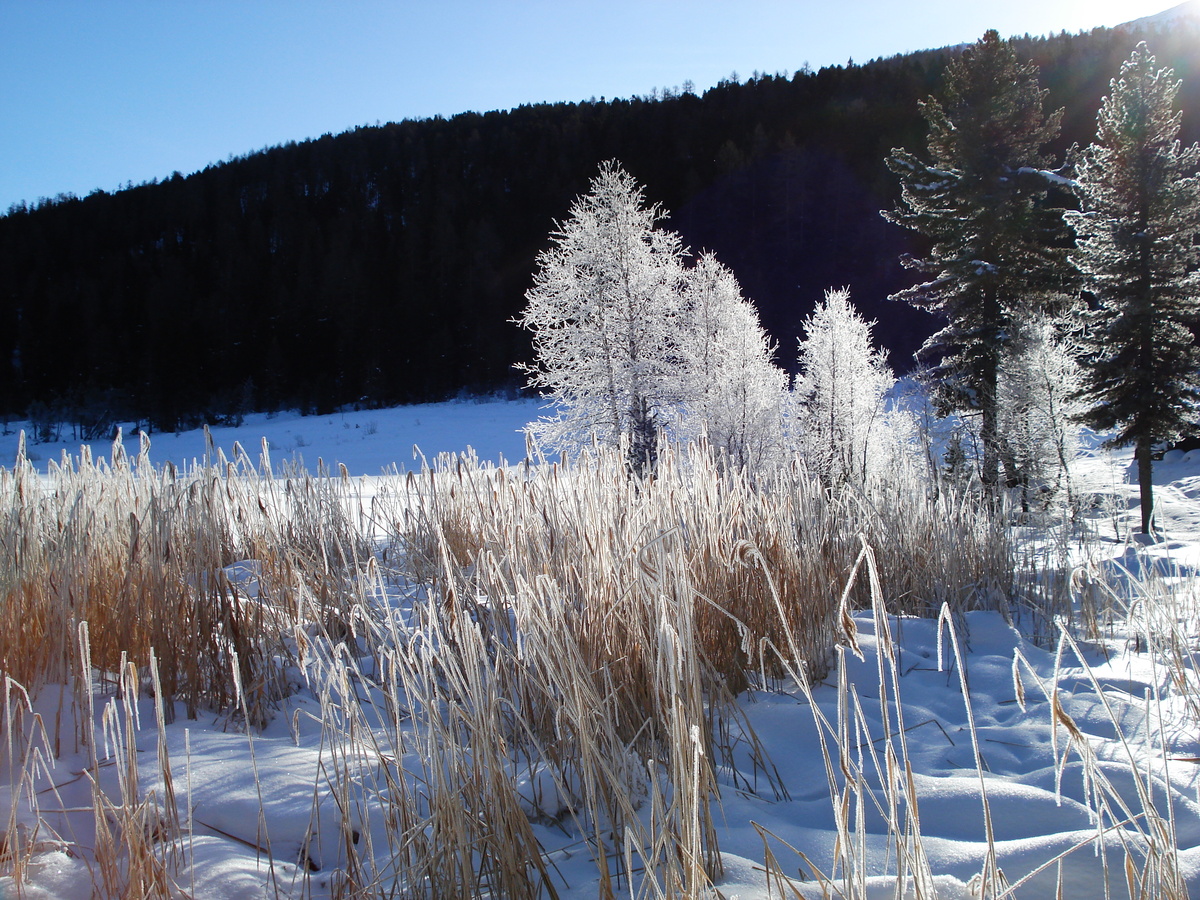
point(545, 686)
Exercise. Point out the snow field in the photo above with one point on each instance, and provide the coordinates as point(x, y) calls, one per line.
point(366, 442)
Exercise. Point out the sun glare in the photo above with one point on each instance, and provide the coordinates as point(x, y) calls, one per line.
point(1090, 13)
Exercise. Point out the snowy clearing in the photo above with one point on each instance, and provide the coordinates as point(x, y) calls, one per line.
point(366, 442)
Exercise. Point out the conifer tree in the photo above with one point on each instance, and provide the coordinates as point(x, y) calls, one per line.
point(996, 248)
point(1136, 249)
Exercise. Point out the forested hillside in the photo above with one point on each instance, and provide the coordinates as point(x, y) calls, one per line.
point(383, 265)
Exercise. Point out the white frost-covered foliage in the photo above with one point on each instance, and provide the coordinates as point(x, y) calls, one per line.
point(604, 311)
point(1039, 383)
point(735, 393)
point(634, 346)
point(843, 426)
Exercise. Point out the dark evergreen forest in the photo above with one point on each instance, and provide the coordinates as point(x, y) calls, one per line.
point(382, 265)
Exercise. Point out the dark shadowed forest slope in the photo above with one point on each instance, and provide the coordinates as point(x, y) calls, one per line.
point(383, 265)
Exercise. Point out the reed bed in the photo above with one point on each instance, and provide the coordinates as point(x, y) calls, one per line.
point(141, 555)
point(496, 652)
point(765, 559)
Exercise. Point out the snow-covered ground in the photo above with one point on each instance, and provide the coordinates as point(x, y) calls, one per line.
point(366, 442)
point(990, 713)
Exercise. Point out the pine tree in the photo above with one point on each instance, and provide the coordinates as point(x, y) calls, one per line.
point(841, 392)
point(1136, 249)
point(604, 312)
point(996, 247)
point(735, 392)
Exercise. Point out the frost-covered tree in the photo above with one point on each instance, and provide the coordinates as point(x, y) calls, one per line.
point(841, 392)
point(1136, 248)
point(604, 311)
point(1039, 383)
point(631, 343)
point(995, 246)
point(735, 391)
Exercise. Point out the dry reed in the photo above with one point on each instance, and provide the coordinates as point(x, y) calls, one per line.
point(574, 642)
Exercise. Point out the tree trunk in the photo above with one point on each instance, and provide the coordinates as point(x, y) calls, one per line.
point(643, 439)
point(1145, 483)
point(989, 428)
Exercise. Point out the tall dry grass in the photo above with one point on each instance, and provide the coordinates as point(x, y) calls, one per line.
point(567, 657)
point(763, 557)
point(140, 555)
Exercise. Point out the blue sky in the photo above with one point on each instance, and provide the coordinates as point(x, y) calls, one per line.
point(98, 93)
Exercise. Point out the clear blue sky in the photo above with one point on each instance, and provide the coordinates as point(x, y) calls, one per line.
point(97, 93)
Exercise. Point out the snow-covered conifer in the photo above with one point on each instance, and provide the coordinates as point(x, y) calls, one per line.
point(996, 249)
point(1136, 248)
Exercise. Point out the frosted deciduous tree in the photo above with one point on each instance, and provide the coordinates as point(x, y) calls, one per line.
point(604, 312)
point(630, 342)
point(1039, 407)
point(735, 391)
point(840, 393)
point(996, 250)
point(1136, 248)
